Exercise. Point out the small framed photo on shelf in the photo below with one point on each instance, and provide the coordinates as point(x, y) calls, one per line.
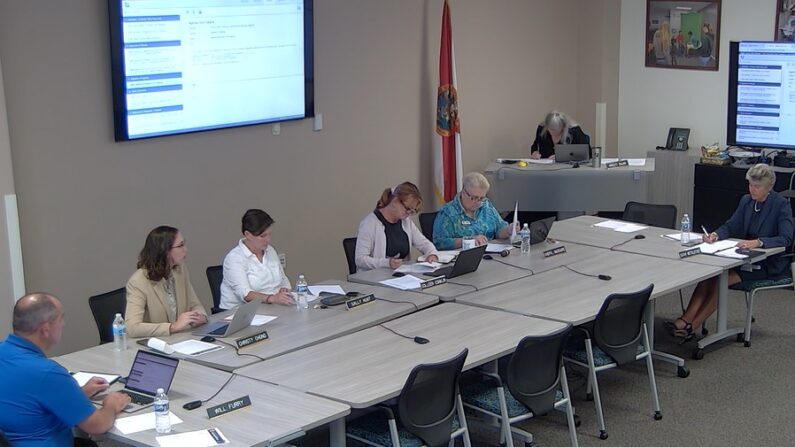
point(684, 35)
point(785, 21)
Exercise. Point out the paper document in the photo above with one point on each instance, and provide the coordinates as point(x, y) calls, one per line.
point(420, 267)
point(621, 227)
point(258, 320)
point(514, 223)
point(141, 422)
point(540, 161)
point(630, 161)
point(194, 347)
point(330, 288)
point(407, 282)
point(160, 345)
point(445, 256)
point(716, 246)
point(82, 377)
point(496, 248)
point(199, 438)
point(678, 236)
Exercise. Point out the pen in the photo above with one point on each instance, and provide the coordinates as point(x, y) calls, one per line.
point(705, 231)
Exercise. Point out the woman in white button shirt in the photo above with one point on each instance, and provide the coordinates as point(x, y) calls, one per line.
point(252, 270)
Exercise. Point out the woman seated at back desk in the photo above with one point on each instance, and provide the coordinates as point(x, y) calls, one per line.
point(557, 128)
point(469, 214)
point(160, 297)
point(387, 234)
point(763, 219)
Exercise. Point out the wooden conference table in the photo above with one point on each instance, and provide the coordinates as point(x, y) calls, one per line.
point(371, 366)
point(276, 414)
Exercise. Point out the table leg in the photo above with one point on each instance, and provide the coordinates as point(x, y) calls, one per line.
point(681, 369)
point(722, 331)
point(336, 432)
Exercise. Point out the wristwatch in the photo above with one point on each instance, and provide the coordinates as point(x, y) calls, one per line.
point(761, 244)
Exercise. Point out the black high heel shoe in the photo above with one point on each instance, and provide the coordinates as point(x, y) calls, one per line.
point(686, 333)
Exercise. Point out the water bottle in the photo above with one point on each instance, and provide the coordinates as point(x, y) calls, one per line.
point(119, 333)
point(685, 237)
point(302, 290)
point(525, 235)
point(162, 418)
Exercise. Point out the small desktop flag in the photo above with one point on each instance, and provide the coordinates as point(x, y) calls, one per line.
point(515, 222)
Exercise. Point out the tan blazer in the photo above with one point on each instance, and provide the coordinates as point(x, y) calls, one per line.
point(147, 303)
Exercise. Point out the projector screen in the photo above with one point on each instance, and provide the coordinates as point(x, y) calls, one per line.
point(183, 66)
point(761, 105)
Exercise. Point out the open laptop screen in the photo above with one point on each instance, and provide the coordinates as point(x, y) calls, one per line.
point(151, 371)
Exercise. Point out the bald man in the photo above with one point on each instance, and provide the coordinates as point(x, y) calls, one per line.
point(40, 402)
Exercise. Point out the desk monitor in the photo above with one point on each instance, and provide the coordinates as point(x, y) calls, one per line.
point(565, 153)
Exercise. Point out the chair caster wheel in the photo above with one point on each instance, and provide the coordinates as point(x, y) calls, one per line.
point(682, 371)
point(698, 354)
point(588, 396)
point(747, 344)
point(602, 434)
point(740, 337)
point(657, 415)
point(704, 331)
point(577, 421)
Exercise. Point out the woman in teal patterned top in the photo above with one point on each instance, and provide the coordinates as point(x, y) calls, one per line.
point(469, 214)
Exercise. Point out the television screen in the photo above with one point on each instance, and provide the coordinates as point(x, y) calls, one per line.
point(761, 95)
point(183, 66)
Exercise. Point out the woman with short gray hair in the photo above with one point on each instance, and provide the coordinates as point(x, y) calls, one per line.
point(763, 219)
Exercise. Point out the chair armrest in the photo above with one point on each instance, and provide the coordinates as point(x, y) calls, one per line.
point(490, 375)
point(584, 331)
point(386, 409)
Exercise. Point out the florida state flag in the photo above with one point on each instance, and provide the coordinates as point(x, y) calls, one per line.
point(447, 151)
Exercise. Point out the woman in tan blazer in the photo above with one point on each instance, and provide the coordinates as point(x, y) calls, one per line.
point(160, 297)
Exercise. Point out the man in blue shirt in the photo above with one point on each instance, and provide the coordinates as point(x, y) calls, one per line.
point(469, 214)
point(40, 402)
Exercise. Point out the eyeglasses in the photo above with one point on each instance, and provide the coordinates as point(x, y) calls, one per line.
point(473, 198)
point(180, 245)
point(410, 211)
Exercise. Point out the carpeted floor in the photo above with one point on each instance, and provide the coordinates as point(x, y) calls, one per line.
point(735, 396)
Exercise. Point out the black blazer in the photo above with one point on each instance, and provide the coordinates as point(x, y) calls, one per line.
point(774, 228)
point(545, 145)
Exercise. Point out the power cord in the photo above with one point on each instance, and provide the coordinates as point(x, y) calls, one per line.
point(399, 302)
point(417, 339)
point(462, 284)
point(511, 265)
point(198, 403)
point(237, 350)
point(599, 276)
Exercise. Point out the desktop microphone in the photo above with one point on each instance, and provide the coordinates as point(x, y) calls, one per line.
point(192, 405)
point(605, 277)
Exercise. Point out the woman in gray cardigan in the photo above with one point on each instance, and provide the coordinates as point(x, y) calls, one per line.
point(387, 234)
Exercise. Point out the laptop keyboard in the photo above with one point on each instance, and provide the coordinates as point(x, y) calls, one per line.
point(219, 331)
point(139, 399)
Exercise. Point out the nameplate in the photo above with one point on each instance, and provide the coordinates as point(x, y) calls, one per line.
point(617, 164)
point(356, 302)
point(433, 282)
point(689, 252)
point(251, 339)
point(228, 407)
point(555, 251)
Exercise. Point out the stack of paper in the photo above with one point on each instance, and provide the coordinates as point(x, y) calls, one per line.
point(194, 347)
point(406, 282)
point(420, 267)
point(621, 227)
point(83, 377)
point(715, 247)
point(141, 422)
point(258, 320)
point(444, 256)
point(678, 236)
point(496, 248)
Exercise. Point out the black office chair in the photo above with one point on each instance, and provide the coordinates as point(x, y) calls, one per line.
point(426, 224)
point(215, 276)
point(663, 216)
point(349, 245)
point(104, 308)
point(429, 410)
point(620, 337)
point(4, 442)
point(536, 382)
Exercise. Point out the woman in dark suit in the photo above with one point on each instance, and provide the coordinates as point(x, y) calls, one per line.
point(557, 128)
point(763, 219)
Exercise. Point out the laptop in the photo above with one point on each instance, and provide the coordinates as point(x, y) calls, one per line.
point(565, 153)
point(467, 261)
point(241, 320)
point(540, 229)
point(149, 372)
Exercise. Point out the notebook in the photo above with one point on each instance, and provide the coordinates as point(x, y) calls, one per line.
point(244, 314)
point(466, 262)
point(149, 372)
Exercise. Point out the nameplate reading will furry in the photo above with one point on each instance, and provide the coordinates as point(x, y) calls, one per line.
point(228, 407)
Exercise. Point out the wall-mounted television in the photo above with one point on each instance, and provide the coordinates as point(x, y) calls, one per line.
point(182, 66)
point(761, 106)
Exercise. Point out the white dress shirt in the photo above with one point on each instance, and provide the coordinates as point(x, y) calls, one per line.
point(244, 273)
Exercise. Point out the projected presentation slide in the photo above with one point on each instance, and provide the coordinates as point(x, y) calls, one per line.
point(202, 64)
point(766, 94)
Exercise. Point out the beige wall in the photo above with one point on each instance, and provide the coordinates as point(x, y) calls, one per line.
point(6, 187)
point(653, 99)
point(86, 203)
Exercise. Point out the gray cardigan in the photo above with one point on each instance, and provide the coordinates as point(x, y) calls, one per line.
point(371, 242)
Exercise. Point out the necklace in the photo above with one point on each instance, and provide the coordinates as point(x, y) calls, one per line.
point(755, 209)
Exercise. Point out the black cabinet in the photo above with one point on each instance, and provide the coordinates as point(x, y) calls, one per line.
point(718, 190)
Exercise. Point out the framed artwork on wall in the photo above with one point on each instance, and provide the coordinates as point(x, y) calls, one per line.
point(785, 21)
point(683, 34)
